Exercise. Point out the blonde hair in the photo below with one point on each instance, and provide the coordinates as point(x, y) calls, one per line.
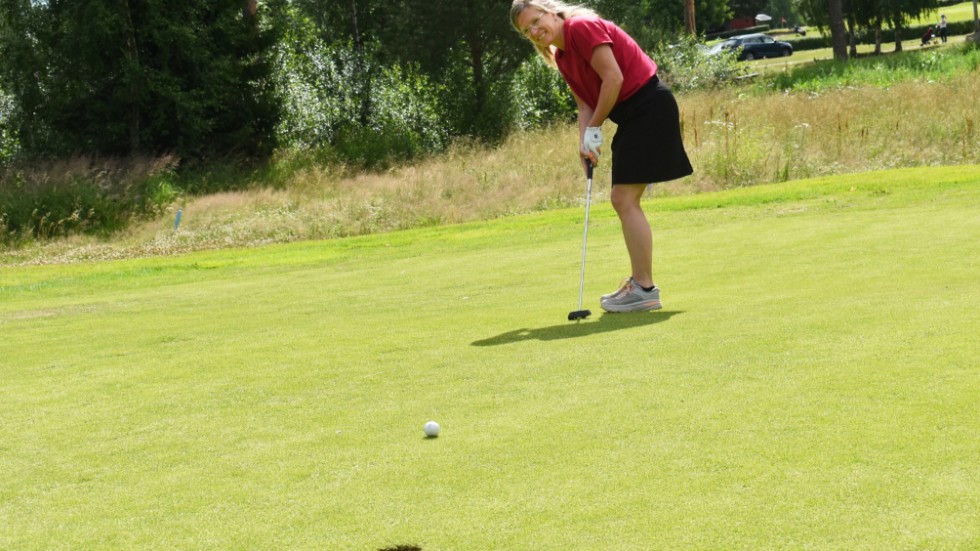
point(561, 9)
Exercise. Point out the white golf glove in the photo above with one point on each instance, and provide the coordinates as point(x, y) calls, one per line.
point(592, 140)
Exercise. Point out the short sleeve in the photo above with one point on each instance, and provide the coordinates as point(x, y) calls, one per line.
point(587, 33)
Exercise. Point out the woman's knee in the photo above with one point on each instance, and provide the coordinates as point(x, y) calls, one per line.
point(625, 198)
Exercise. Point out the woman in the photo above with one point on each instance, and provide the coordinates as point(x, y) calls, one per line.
point(611, 77)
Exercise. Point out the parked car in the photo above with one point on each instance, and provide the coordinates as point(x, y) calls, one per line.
point(754, 46)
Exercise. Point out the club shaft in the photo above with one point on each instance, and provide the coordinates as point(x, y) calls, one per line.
point(585, 240)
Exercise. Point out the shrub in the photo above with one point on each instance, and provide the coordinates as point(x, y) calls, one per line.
point(82, 196)
point(541, 96)
point(339, 98)
point(685, 65)
point(8, 141)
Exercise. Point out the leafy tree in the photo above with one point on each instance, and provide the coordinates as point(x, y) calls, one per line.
point(327, 107)
point(747, 8)
point(8, 143)
point(870, 14)
point(787, 9)
point(467, 48)
point(116, 77)
point(651, 22)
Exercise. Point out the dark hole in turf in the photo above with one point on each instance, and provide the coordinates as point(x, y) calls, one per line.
point(402, 548)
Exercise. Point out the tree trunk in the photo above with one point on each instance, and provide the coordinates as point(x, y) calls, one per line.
point(852, 37)
point(689, 22)
point(878, 37)
point(976, 19)
point(898, 36)
point(479, 81)
point(132, 55)
point(250, 10)
point(364, 86)
point(838, 34)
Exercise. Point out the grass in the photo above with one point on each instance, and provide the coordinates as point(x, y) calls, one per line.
point(915, 110)
point(928, 64)
point(810, 384)
point(956, 12)
point(807, 57)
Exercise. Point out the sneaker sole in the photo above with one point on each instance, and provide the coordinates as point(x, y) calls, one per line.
point(646, 306)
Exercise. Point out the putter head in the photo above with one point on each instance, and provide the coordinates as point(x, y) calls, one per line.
point(579, 315)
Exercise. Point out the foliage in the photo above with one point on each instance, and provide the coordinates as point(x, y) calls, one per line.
point(884, 71)
point(467, 50)
point(869, 13)
point(818, 41)
point(190, 77)
point(8, 139)
point(741, 135)
point(653, 21)
point(359, 85)
point(685, 65)
point(541, 96)
point(340, 97)
point(82, 196)
point(787, 9)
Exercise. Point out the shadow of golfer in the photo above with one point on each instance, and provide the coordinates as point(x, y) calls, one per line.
point(570, 330)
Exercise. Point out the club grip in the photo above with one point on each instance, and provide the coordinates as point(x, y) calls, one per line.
point(588, 168)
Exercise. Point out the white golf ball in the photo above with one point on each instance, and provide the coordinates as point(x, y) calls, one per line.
point(431, 429)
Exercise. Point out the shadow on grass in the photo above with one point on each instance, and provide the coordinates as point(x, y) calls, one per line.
point(570, 330)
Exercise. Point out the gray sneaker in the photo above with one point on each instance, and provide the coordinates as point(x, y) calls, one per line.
point(633, 299)
point(622, 286)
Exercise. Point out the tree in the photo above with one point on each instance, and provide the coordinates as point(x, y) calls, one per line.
point(976, 21)
point(784, 9)
point(838, 36)
point(689, 17)
point(115, 77)
point(651, 22)
point(467, 46)
point(747, 8)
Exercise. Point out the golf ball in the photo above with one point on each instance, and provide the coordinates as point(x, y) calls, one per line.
point(431, 429)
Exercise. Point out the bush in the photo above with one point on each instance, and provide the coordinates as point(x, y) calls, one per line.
point(341, 99)
point(541, 96)
point(82, 196)
point(685, 65)
point(8, 141)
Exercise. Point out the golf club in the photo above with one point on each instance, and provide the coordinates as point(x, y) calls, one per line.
point(581, 314)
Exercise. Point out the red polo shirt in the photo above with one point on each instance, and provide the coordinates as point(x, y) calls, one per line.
point(582, 35)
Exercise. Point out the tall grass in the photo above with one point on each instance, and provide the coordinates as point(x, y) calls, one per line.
point(741, 139)
point(82, 195)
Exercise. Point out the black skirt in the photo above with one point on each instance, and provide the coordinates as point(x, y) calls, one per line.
point(647, 147)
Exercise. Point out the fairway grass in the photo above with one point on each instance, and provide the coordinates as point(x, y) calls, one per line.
point(812, 383)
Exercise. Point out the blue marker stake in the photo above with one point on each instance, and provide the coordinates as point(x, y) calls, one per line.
point(177, 219)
